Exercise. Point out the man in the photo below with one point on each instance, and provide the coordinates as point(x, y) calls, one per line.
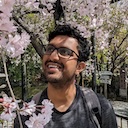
point(64, 58)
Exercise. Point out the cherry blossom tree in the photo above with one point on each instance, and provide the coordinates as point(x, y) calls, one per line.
point(36, 18)
point(115, 55)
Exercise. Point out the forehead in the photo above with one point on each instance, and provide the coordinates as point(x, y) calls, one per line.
point(65, 41)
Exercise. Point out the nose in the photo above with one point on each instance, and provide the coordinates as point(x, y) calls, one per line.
point(54, 55)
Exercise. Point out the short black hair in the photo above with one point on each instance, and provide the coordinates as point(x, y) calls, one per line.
point(84, 48)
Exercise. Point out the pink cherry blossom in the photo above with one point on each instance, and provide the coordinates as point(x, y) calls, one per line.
point(40, 120)
point(17, 44)
point(48, 106)
point(52, 1)
point(32, 3)
point(47, 110)
point(7, 6)
point(6, 24)
point(49, 6)
point(37, 121)
point(28, 108)
point(9, 108)
point(7, 115)
point(3, 41)
point(8, 103)
point(7, 99)
point(47, 103)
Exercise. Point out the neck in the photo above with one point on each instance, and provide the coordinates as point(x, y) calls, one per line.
point(62, 97)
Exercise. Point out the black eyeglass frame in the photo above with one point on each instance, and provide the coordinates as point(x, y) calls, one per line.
point(59, 54)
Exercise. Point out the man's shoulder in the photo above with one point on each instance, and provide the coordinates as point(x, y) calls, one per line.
point(104, 102)
point(88, 92)
point(96, 99)
point(38, 97)
point(107, 112)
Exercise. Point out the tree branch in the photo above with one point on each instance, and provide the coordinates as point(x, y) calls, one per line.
point(123, 40)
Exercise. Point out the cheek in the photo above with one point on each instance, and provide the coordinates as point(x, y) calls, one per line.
point(43, 62)
point(44, 59)
point(71, 67)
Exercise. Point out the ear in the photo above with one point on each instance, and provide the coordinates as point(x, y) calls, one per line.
point(80, 67)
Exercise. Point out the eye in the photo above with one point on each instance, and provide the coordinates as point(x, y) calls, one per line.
point(65, 51)
point(49, 48)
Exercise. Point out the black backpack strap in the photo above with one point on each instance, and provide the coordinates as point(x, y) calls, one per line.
point(36, 97)
point(93, 104)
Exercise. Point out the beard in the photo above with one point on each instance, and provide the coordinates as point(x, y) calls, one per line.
point(53, 80)
point(59, 82)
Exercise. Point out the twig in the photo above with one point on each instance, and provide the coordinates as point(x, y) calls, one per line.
point(10, 88)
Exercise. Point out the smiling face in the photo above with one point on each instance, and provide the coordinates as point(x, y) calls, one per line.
point(59, 70)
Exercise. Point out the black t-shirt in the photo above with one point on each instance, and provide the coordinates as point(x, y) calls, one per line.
point(77, 115)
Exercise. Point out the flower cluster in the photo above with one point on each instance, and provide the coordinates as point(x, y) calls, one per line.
point(9, 107)
point(15, 39)
point(35, 121)
point(87, 15)
point(40, 120)
point(97, 16)
point(9, 39)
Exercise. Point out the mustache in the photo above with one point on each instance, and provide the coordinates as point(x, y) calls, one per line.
point(55, 63)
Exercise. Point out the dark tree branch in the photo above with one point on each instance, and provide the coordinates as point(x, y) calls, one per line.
point(115, 52)
point(59, 12)
point(114, 65)
point(114, 31)
point(118, 55)
point(123, 40)
point(113, 1)
point(29, 12)
point(122, 60)
point(35, 40)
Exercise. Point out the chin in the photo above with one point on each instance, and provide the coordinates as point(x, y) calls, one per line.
point(53, 79)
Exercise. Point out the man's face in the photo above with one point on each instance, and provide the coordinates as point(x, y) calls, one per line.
point(56, 68)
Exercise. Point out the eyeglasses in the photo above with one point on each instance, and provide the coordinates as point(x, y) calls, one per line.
point(63, 52)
